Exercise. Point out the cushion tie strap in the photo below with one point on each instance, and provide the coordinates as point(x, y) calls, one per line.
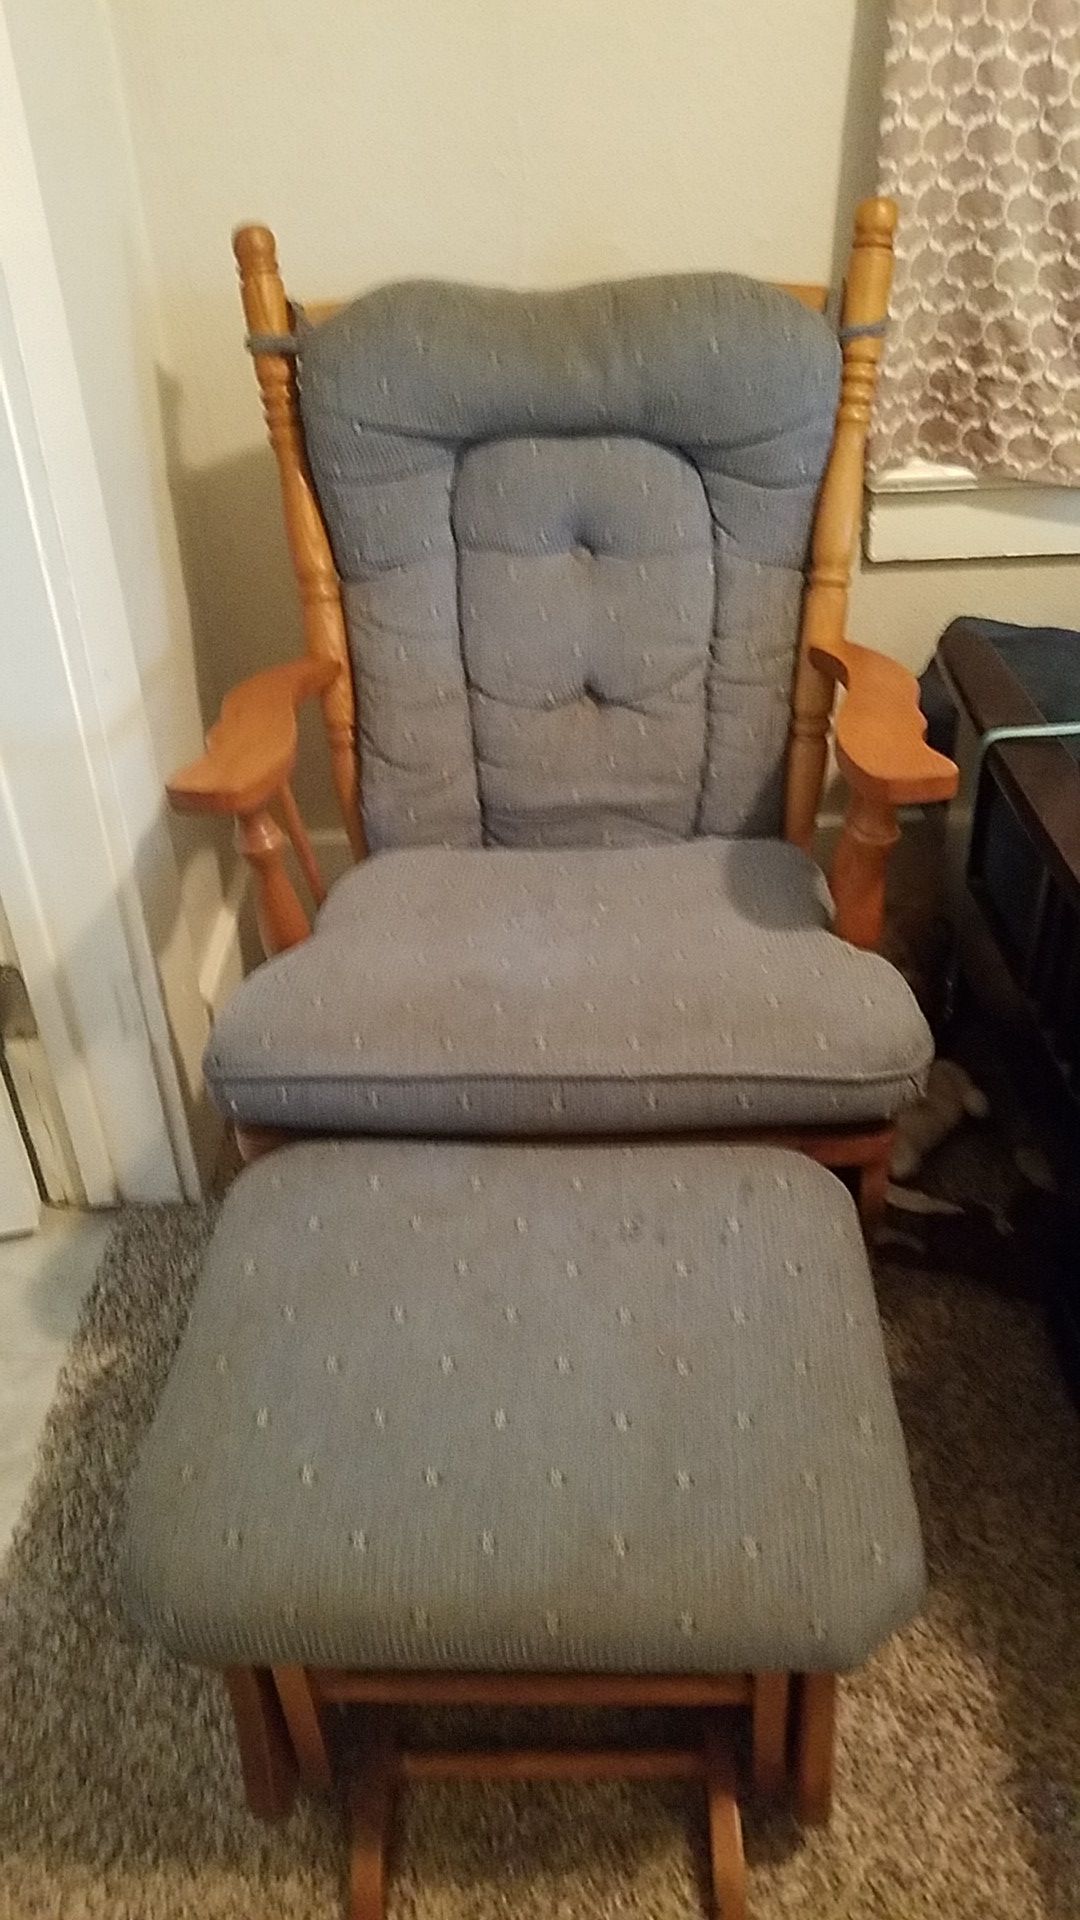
point(868, 330)
point(287, 344)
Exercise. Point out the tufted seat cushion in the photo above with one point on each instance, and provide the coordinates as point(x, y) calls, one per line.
point(592, 1408)
point(619, 990)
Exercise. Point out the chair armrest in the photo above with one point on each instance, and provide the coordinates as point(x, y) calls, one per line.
point(251, 748)
point(880, 730)
point(881, 750)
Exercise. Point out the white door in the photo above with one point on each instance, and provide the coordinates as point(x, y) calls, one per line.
point(88, 878)
point(20, 1207)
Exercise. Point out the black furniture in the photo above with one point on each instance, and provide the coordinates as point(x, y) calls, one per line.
point(1001, 699)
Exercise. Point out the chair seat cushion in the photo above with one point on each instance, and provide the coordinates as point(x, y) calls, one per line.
point(622, 990)
point(492, 1406)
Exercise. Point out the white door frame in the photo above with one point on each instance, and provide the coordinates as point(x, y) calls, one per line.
point(20, 1203)
point(76, 761)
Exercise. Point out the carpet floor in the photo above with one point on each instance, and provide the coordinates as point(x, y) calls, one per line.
point(958, 1789)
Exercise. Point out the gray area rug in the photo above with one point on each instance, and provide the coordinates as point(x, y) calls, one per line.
point(959, 1766)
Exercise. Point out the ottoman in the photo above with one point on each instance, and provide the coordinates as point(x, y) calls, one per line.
point(556, 1425)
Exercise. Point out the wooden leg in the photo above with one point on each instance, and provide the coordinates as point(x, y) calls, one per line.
point(815, 1740)
point(770, 1731)
point(873, 1182)
point(725, 1827)
point(370, 1812)
point(304, 1721)
point(267, 1758)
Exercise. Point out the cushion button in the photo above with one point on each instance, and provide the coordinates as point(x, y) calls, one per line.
point(582, 552)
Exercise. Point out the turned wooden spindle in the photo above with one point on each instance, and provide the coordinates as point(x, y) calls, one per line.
point(282, 920)
point(302, 847)
point(836, 527)
point(860, 863)
point(266, 310)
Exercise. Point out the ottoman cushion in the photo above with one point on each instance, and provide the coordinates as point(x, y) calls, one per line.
point(608, 1408)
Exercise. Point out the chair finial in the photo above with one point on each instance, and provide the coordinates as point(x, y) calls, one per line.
point(875, 223)
point(255, 249)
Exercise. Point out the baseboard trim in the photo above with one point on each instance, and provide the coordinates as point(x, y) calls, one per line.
point(332, 851)
point(227, 952)
point(222, 966)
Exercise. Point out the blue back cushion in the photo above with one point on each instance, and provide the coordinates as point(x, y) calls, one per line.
point(571, 529)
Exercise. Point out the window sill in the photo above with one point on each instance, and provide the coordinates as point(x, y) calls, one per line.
point(928, 512)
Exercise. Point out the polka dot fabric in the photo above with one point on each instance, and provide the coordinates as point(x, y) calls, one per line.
point(571, 529)
point(637, 990)
point(605, 1408)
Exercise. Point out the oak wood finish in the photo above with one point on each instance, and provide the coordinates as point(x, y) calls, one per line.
point(769, 1731)
point(250, 753)
point(282, 920)
point(725, 1827)
point(857, 875)
point(303, 1717)
point(370, 1813)
point(836, 523)
point(880, 730)
point(282, 1736)
point(553, 1763)
point(815, 1739)
point(881, 750)
point(302, 847)
point(251, 748)
point(384, 1767)
point(370, 1801)
point(453, 1689)
point(267, 1756)
point(267, 311)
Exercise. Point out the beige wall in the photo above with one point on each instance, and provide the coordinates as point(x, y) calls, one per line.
point(492, 140)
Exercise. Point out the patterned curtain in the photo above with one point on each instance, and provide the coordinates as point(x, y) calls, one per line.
point(981, 148)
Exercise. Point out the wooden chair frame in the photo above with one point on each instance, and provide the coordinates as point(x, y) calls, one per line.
point(879, 735)
point(285, 1735)
point(284, 1715)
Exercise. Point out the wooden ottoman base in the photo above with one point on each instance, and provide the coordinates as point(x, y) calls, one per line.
point(282, 1727)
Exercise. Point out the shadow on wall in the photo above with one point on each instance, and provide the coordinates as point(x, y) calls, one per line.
point(858, 175)
point(235, 561)
point(241, 588)
point(157, 855)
